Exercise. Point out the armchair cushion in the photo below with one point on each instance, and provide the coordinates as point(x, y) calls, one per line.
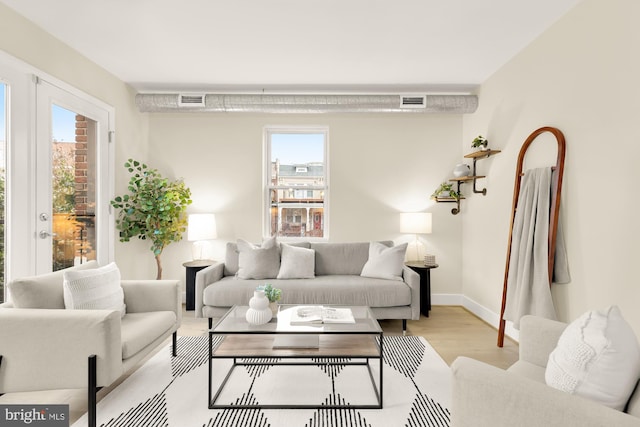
point(597, 357)
point(43, 291)
point(95, 289)
point(141, 329)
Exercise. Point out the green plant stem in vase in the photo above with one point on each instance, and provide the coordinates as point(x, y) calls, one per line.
point(273, 295)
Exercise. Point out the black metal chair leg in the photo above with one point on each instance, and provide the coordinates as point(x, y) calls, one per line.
point(93, 390)
point(174, 351)
point(210, 323)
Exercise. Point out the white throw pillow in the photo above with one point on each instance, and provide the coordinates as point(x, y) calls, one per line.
point(96, 289)
point(597, 357)
point(297, 263)
point(385, 262)
point(258, 262)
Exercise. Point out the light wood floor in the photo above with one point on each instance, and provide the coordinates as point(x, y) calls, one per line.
point(451, 330)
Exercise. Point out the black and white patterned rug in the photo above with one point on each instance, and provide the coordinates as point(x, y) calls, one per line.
point(172, 392)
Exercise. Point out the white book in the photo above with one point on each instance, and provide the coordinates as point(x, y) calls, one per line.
point(310, 314)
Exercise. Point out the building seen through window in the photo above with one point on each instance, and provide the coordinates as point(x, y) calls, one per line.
point(297, 183)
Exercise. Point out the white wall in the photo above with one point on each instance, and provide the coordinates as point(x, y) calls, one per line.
point(580, 76)
point(380, 165)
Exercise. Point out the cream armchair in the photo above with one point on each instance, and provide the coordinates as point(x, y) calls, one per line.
point(484, 395)
point(49, 347)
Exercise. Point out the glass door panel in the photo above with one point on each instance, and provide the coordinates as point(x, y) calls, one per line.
point(73, 188)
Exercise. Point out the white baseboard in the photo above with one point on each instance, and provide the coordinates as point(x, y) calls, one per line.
point(479, 310)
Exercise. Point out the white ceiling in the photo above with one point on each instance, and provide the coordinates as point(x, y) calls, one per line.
point(297, 45)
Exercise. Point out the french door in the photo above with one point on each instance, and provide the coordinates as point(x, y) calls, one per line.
point(71, 217)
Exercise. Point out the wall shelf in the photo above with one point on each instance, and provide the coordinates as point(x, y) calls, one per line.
point(475, 156)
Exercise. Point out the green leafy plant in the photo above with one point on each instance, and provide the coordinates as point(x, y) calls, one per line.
point(154, 209)
point(479, 141)
point(273, 294)
point(446, 190)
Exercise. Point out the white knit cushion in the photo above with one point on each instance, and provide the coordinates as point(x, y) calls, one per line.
point(297, 263)
point(597, 357)
point(384, 262)
point(96, 289)
point(258, 262)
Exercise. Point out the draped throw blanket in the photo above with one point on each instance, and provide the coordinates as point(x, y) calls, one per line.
point(528, 290)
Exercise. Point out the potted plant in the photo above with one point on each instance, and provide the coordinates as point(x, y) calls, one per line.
point(445, 190)
point(154, 209)
point(273, 294)
point(480, 142)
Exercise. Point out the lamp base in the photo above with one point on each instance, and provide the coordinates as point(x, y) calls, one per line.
point(197, 250)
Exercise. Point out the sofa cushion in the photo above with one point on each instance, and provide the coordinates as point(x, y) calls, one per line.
point(341, 258)
point(385, 262)
point(334, 289)
point(296, 263)
point(597, 357)
point(43, 291)
point(141, 329)
point(258, 262)
point(231, 256)
point(94, 289)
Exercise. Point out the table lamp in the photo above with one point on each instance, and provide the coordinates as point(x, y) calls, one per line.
point(201, 227)
point(416, 223)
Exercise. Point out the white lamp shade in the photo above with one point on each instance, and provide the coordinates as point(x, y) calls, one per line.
point(201, 227)
point(415, 223)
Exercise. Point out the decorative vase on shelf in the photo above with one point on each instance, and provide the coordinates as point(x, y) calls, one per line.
point(259, 312)
point(461, 169)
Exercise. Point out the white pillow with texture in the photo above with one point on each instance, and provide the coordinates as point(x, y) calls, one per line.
point(384, 262)
point(258, 262)
point(95, 289)
point(597, 357)
point(297, 263)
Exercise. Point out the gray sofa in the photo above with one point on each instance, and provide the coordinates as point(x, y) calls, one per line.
point(337, 281)
point(486, 396)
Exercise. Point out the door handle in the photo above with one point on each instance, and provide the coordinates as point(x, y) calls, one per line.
point(44, 234)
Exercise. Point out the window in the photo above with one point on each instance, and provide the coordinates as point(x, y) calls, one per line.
point(296, 182)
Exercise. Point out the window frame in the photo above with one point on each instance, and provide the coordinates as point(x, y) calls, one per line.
point(268, 187)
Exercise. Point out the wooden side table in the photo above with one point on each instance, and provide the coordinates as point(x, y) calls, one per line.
point(425, 283)
point(192, 268)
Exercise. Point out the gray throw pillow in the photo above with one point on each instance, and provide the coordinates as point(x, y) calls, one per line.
point(384, 262)
point(297, 263)
point(258, 262)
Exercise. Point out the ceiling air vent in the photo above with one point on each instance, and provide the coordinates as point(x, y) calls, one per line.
point(191, 100)
point(413, 101)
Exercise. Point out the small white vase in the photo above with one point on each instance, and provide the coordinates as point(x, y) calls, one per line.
point(461, 169)
point(259, 312)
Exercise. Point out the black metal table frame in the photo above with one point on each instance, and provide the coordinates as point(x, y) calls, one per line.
point(377, 390)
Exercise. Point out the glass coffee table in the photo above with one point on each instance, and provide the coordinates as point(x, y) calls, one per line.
point(233, 343)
